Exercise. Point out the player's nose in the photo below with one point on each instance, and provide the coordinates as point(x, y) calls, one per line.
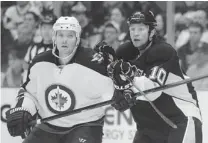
point(136, 33)
point(64, 40)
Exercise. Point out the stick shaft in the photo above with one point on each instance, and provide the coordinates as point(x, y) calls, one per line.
point(67, 113)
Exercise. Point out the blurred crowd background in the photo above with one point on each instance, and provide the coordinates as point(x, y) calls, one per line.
point(26, 29)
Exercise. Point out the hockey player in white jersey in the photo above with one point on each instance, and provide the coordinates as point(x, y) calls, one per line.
point(60, 80)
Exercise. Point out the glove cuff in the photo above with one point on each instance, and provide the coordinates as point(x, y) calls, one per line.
point(12, 110)
point(124, 87)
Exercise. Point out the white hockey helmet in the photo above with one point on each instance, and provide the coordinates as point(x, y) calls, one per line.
point(68, 23)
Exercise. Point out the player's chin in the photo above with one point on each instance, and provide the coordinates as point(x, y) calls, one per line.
point(64, 50)
point(137, 44)
point(64, 47)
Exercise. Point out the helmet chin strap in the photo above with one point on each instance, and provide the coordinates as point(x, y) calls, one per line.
point(66, 57)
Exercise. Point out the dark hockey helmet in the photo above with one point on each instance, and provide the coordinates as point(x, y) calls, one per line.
point(143, 17)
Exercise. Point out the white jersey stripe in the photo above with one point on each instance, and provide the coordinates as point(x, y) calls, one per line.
point(189, 136)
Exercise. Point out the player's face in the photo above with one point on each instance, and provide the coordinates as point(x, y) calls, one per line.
point(139, 34)
point(46, 32)
point(65, 41)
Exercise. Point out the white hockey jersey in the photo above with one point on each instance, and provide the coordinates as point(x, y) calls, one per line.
point(52, 90)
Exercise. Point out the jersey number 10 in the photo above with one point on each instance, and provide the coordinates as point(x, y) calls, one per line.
point(158, 75)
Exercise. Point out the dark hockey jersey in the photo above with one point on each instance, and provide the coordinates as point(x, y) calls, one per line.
point(157, 66)
point(52, 89)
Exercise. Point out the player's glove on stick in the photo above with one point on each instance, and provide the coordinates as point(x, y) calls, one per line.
point(17, 121)
point(122, 73)
point(104, 53)
point(123, 99)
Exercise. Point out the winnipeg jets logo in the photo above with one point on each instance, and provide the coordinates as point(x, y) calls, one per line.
point(59, 98)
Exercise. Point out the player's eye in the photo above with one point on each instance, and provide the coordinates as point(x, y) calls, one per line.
point(132, 29)
point(141, 29)
point(60, 35)
point(70, 36)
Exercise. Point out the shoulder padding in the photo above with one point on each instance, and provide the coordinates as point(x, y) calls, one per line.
point(161, 52)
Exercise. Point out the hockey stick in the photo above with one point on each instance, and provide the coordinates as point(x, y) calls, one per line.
point(108, 102)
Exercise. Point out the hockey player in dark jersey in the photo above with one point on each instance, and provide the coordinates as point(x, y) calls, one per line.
point(59, 80)
point(145, 62)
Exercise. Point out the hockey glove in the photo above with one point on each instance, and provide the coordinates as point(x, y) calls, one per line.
point(17, 121)
point(104, 53)
point(123, 99)
point(122, 73)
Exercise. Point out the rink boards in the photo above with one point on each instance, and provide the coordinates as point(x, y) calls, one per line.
point(119, 127)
